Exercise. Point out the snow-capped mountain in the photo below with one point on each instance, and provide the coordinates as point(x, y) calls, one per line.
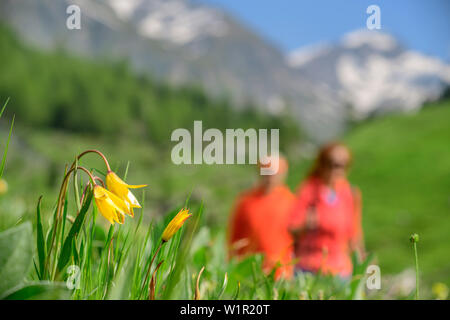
point(174, 21)
point(185, 42)
point(372, 72)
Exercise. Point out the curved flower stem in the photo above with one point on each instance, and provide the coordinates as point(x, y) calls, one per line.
point(61, 196)
point(55, 223)
point(100, 180)
point(87, 185)
point(84, 193)
point(75, 186)
point(97, 152)
point(89, 174)
point(150, 266)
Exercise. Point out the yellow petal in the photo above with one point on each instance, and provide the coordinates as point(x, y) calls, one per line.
point(118, 202)
point(114, 179)
point(175, 224)
point(132, 200)
point(118, 187)
point(131, 186)
point(109, 205)
point(105, 210)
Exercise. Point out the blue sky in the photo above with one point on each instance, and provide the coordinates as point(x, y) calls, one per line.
point(423, 25)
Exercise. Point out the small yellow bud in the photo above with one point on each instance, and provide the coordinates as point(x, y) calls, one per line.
point(175, 224)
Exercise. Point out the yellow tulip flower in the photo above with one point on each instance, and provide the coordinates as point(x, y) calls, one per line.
point(110, 206)
point(120, 189)
point(175, 224)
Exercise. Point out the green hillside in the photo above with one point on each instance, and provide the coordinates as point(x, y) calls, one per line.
point(64, 105)
point(58, 90)
point(402, 165)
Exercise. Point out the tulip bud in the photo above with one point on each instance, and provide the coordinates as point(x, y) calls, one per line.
point(175, 224)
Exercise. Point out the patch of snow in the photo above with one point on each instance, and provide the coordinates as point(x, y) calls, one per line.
point(275, 104)
point(303, 55)
point(124, 8)
point(179, 23)
point(405, 82)
point(377, 40)
point(95, 10)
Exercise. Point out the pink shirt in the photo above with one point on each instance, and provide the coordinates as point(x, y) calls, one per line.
point(327, 248)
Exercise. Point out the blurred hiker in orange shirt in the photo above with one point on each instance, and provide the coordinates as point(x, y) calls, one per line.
point(259, 222)
point(326, 218)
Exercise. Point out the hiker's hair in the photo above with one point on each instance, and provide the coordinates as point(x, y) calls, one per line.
point(324, 157)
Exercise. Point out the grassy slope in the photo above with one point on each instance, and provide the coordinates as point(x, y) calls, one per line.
point(36, 163)
point(402, 165)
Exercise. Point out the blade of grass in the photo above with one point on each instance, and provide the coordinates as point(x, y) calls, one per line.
point(236, 295)
point(40, 240)
point(224, 286)
point(4, 106)
point(64, 221)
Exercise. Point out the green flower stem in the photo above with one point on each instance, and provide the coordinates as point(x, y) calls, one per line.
point(414, 239)
point(417, 270)
point(97, 152)
point(150, 266)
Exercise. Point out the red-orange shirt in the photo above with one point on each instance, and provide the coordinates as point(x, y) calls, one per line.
point(259, 225)
point(328, 247)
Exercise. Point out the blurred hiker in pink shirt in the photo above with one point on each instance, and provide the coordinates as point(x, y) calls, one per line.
point(326, 218)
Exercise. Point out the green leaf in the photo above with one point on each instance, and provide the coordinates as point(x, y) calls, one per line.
point(64, 219)
point(67, 247)
point(238, 289)
point(40, 290)
point(358, 277)
point(15, 255)
point(40, 242)
point(76, 256)
point(4, 107)
point(50, 231)
point(121, 286)
point(36, 269)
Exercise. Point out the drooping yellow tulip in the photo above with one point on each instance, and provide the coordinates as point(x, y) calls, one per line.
point(110, 206)
point(175, 224)
point(121, 189)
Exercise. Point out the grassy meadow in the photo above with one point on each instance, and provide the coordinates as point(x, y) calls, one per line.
point(401, 164)
point(403, 185)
